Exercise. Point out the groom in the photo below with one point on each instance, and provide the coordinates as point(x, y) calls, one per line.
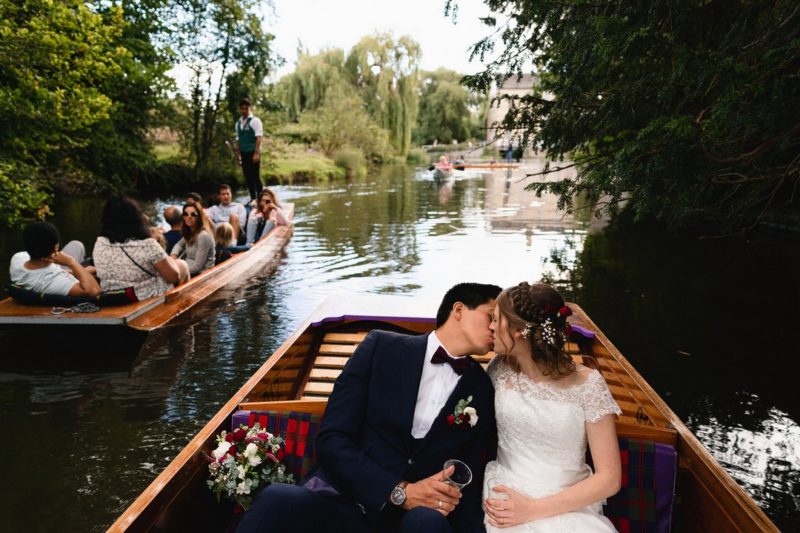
point(388, 430)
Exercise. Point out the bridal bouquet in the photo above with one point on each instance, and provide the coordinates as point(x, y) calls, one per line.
point(245, 460)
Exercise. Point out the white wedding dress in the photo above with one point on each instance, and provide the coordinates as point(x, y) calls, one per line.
point(542, 443)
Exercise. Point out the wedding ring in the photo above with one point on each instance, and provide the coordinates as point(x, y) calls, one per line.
point(440, 504)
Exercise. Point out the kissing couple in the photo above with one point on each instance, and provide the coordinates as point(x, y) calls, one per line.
point(417, 438)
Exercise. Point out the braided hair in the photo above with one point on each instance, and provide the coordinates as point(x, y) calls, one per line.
point(540, 312)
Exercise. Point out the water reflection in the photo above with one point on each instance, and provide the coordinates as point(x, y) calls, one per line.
point(762, 454)
point(97, 434)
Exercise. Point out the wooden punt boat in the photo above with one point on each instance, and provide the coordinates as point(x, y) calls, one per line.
point(442, 173)
point(299, 377)
point(155, 312)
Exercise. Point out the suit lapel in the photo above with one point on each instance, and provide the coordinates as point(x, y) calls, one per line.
point(464, 388)
point(411, 376)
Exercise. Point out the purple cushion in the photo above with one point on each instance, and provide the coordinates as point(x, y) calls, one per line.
point(644, 503)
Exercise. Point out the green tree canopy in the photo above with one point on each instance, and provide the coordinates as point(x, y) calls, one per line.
point(55, 59)
point(448, 111)
point(228, 50)
point(342, 121)
point(688, 110)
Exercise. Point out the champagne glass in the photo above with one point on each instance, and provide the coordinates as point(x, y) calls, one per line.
point(461, 476)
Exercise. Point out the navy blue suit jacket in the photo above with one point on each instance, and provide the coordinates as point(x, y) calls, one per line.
point(365, 447)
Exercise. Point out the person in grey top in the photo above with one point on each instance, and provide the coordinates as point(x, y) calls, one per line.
point(197, 245)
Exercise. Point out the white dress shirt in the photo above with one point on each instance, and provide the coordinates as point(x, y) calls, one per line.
point(435, 387)
point(222, 213)
point(255, 123)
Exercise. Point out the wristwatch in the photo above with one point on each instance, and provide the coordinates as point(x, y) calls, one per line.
point(398, 495)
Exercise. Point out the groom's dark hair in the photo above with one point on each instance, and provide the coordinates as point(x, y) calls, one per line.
point(470, 294)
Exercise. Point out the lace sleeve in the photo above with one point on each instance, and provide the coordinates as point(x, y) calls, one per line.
point(494, 368)
point(596, 399)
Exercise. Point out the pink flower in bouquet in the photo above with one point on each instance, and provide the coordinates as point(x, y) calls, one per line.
point(262, 436)
point(239, 434)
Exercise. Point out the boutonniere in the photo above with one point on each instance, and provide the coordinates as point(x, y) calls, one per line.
point(463, 414)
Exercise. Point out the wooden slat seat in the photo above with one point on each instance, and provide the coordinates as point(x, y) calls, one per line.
point(337, 349)
point(344, 338)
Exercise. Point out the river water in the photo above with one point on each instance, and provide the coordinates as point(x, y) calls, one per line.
point(709, 323)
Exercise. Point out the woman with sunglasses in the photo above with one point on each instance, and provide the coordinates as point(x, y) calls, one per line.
point(196, 246)
point(266, 215)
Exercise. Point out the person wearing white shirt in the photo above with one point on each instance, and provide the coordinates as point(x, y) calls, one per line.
point(435, 386)
point(249, 133)
point(402, 407)
point(228, 211)
point(43, 268)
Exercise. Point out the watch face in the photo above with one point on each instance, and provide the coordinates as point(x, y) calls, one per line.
point(398, 495)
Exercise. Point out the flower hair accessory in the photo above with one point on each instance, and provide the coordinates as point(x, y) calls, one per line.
point(548, 331)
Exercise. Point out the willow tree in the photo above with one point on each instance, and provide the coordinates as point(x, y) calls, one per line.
point(448, 111)
point(386, 73)
point(315, 75)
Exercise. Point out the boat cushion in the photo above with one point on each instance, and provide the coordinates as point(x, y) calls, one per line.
point(644, 503)
point(299, 430)
point(106, 298)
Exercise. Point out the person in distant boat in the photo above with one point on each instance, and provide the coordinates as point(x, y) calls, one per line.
point(223, 240)
point(43, 268)
point(228, 211)
point(173, 217)
point(196, 246)
point(266, 215)
point(249, 134)
point(390, 425)
point(126, 255)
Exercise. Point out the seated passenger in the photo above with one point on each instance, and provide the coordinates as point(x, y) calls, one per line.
point(45, 269)
point(173, 217)
point(266, 215)
point(223, 240)
point(194, 198)
point(197, 245)
point(126, 254)
point(228, 211)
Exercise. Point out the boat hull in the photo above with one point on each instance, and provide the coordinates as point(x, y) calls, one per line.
point(304, 368)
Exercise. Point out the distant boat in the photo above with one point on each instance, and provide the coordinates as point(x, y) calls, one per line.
point(156, 312)
point(667, 471)
point(442, 172)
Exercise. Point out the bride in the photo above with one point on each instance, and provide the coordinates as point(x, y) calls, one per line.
point(547, 409)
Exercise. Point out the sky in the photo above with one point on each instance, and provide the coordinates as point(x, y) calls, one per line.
point(320, 24)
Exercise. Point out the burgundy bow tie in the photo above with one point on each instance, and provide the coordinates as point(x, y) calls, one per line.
point(459, 364)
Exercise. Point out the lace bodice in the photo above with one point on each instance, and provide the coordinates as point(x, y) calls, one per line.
point(541, 426)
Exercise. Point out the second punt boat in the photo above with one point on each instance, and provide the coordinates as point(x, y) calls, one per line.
point(156, 312)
